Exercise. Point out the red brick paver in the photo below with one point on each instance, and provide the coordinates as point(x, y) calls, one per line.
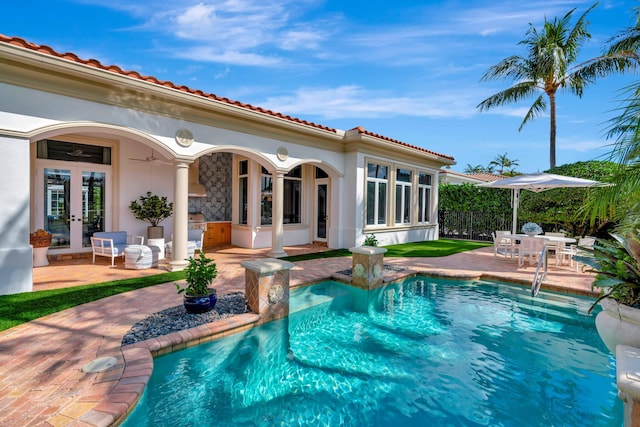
point(41, 377)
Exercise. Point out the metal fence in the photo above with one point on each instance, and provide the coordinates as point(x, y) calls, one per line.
point(471, 225)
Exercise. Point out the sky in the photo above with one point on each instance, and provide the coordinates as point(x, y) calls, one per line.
point(409, 70)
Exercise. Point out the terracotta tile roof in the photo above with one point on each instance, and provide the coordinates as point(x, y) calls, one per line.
point(363, 131)
point(481, 176)
point(17, 41)
point(488, 177)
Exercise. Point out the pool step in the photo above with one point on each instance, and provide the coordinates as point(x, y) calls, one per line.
point(311, 296)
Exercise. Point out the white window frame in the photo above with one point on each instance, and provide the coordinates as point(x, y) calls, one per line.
point(425, 194)
point(376, 199)
point(403, 200)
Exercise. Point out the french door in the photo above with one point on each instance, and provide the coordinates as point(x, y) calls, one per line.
point(72, 202)
point(322, 218)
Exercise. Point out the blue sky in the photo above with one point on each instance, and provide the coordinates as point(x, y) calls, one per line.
point(409, 70)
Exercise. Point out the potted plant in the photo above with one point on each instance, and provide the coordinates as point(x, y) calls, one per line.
point(40, 238)
point(152, 209)
point(617, 267)
point(199, 297)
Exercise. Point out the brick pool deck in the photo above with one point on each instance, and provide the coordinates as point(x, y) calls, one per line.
point(41, 377)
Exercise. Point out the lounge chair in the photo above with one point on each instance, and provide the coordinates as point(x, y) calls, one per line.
point(112, 243)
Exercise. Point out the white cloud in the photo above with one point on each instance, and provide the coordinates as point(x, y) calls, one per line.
point(209, 54)
point(357, 102)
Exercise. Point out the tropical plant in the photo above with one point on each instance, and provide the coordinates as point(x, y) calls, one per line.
point(551, 64)
point(503, 162)
point(151, 208)
point(200, 272)
point(621, 201)
point(617, 266)
point(370, 240)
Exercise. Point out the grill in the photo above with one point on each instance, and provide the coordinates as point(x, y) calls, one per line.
point(196, 221)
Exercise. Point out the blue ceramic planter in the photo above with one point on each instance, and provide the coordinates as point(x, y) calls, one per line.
point(200, 304)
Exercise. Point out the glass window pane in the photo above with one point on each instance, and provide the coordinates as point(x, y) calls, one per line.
point(371, 203)
point(403, 175)
point(243, 200)
point(321, 174)
point(382, 203)
point(243, 167)
point(265, 209)
point(424, 179)
point(376, 171)
point(73, 152)
point(398, 204)
point(406, 217)
point(295, 172)
point(292, 202)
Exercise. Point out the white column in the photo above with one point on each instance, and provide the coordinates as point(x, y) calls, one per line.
point(180, 218)
point(16, 254)
point(277, 248)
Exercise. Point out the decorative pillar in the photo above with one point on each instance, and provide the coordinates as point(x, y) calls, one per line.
point(367, 266)
point(267, 287)
point(180, 218)
point(277, 248)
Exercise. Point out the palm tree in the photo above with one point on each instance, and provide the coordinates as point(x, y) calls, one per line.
point(622, 200)
point(502, 162)
point(550, 64)
point(474, 169)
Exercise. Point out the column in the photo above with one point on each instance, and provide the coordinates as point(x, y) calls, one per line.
point(277, 248)
point(367, 267)
point(180, 218)
point(267, 287)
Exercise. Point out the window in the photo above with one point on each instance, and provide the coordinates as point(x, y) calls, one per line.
point(243, 190)
point(424, 197)
point(293, 196)
point(377, 181)
point(266, 197)
point(73, 152)
point(403, 196)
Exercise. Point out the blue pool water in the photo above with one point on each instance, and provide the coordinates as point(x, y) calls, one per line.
point(422, 352)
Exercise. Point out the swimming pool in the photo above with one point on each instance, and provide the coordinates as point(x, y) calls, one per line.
point(419, 352)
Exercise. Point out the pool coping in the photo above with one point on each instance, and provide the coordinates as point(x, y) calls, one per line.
point(134, 368)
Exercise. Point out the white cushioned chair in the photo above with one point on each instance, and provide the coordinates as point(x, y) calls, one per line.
point(112, 243)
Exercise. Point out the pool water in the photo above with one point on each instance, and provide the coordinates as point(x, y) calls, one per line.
point(422, 352)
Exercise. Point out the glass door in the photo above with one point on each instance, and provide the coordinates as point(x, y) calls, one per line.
point(321, 210)
point(73, 203)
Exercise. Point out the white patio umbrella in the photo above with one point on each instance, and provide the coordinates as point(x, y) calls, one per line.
point(537, 182)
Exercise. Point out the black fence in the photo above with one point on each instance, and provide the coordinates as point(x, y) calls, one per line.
point(471, 225)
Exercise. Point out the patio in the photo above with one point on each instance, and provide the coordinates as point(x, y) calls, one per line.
point(41, 361)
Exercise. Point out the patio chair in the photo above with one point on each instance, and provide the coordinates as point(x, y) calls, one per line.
point(501, 245)
point(112, 243)
point(530, 247)
point(554, 247)
point(569, 252)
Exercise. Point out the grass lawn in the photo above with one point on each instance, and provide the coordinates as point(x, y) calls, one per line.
point(428, 249)
point(20, 308)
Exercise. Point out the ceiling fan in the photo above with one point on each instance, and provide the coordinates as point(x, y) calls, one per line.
point(157, 161)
